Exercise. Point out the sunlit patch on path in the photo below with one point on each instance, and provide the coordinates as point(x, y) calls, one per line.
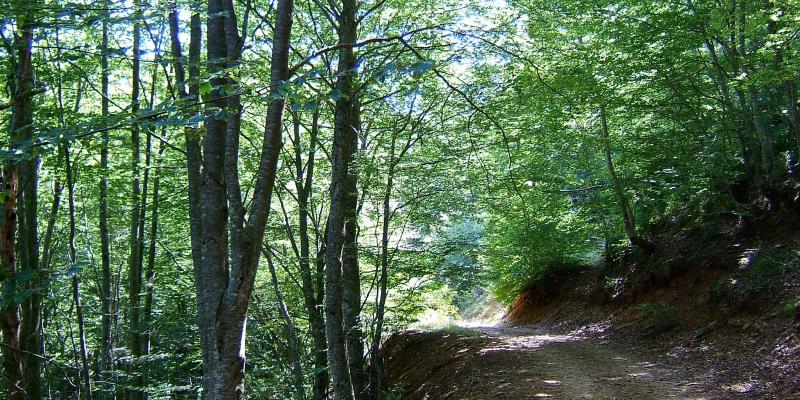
point(495, 362)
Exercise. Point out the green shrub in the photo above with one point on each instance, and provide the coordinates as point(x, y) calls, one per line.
point(657, 317)
point(789, 308)
point(395, 392)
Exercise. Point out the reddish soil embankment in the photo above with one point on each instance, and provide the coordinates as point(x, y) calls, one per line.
point(713, 314)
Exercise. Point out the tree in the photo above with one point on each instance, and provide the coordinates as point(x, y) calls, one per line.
point(228, 232)
point(20, 321)
point(105, 250)
point(343, 282)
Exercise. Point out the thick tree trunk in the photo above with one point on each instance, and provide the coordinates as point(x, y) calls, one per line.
point(20, 320)
point(10, 320)
point(28, 235)
point(343, 306)
point(225, 274)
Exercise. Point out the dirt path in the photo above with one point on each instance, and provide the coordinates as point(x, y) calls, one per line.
point(520, 363)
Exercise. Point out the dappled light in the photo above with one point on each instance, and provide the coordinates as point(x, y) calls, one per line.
point(399, 199)
point(517, 363)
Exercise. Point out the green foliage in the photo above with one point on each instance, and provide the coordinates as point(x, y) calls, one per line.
point(789, 308)
point(395, 391)
point(765, 265)
point(522, 253)
point(761, 269)
point(657, 317)
point(489, 129)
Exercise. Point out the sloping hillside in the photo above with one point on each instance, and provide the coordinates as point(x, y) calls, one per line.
point(711, 314)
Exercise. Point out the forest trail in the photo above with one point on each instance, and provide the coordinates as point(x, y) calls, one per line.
point(524, 363)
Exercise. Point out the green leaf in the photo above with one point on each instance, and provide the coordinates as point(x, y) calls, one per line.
point(21, 296)
point(284, 88)
point(423, 67)
point(25, 275)
point(336, 94)
point(195, 119)
point(76, 268)
point(206, 88)
point(222, 115)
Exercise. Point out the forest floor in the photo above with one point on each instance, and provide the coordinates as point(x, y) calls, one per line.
point(527, 363)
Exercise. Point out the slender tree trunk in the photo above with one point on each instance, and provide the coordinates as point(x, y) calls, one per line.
point(47, 244)
point(147, 315)
point(188, 94)
point(377, 378)
point(135, 255)
point(721, 77)
point(291, 332)
point(789, 86)
point(76, 294)
point(734, 50)
point(628, 219)
point(315, 315)
point(106, 298)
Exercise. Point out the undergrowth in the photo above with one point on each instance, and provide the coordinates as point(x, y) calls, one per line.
point(760, 271)
point(657, 317)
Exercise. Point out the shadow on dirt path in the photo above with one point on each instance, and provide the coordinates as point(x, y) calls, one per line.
point(521, 363)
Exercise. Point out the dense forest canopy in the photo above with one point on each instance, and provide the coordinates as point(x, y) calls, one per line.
point(184, 180)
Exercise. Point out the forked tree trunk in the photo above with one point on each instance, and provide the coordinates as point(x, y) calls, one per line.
point(377, 376)
point(343, 285)
point(230, 237)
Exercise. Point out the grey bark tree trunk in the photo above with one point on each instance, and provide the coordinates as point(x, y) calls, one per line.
point(86, 372)
point(304, 178)
point(343, 297)
point(225, 273)
point(106, 363)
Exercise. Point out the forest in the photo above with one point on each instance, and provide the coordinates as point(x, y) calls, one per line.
point(229, 199)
